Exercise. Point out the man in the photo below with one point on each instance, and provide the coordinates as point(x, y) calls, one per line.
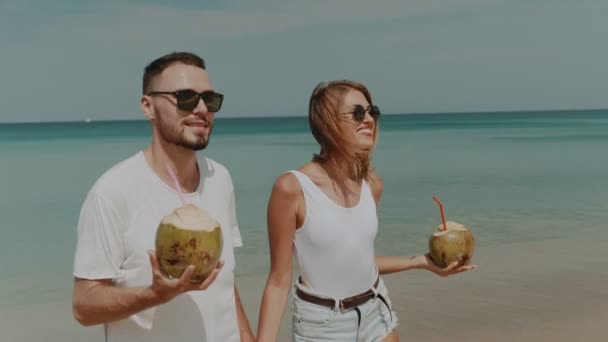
point(117, 279)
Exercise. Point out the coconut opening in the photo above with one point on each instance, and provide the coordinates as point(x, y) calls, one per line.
point(191, 217)
point(451, 225)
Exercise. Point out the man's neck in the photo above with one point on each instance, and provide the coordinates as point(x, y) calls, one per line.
point(180, 159)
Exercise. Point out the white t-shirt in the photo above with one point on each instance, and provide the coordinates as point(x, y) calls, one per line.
point(117, 226)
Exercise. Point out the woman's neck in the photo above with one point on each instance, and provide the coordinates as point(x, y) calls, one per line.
point(338, 167)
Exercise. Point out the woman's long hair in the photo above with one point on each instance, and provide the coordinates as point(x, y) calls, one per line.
point(323, 116)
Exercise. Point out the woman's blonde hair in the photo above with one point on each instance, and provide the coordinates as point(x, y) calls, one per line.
point(324, 115)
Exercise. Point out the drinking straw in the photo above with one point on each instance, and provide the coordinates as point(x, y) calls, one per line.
point(176, 182)
point(445, 227)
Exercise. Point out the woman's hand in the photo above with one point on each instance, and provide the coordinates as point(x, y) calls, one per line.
point(451, 269)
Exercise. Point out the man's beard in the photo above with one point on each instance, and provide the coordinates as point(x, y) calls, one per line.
point(173, 135)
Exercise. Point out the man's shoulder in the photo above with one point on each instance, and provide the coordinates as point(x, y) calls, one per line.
point(120, 177)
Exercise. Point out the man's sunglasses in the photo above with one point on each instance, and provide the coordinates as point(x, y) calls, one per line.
point(359, 112)
point(187, 99)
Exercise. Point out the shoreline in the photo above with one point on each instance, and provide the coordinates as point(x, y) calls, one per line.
point(520, 291)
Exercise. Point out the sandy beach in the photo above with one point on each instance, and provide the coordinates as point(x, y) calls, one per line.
point(497, 108)
point(543, 291)
point(548, 291)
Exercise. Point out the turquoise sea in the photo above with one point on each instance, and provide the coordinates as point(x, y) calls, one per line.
point(510, 177)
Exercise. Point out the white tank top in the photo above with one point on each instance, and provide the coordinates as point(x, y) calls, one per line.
point(334, 247)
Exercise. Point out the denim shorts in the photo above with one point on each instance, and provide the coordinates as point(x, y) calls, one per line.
point(313, 322)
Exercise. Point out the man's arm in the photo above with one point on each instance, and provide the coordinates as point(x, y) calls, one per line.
point(98, 301)
point(244, 327)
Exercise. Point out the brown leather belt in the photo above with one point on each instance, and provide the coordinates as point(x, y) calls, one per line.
point(343, 304)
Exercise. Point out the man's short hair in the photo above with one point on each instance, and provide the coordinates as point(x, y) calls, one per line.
point(157, 66)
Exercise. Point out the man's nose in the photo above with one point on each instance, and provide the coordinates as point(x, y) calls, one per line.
point(201, 107)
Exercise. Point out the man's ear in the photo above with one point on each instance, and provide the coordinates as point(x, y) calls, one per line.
point(147, 107)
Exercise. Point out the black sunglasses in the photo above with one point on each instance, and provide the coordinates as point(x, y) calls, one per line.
point(187, 99)
point(359, 112)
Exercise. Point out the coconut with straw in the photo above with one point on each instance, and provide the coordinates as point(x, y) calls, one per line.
point(452, 242)
point(188, 236)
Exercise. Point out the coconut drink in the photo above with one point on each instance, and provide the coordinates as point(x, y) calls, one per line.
point(188, 236)
point(455, 243)
point(451, 242)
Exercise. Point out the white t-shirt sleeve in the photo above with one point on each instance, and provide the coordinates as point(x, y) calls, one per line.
point(99, 248)
point(237, 241)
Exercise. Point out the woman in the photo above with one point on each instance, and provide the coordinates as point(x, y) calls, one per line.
point(325, 213)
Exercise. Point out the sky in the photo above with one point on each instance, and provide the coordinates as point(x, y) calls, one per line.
point(64, 60)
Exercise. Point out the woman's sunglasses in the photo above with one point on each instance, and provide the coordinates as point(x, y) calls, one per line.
point(359, 112)
point(187, 99)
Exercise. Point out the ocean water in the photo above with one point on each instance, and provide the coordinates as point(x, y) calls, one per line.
point(510, 177)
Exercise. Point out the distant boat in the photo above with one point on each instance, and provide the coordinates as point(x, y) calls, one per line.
point(87, 120)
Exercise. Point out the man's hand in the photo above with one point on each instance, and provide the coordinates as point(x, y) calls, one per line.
point(167, 288)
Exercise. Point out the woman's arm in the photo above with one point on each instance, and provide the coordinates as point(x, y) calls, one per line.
point(241, 316)
point(285, 201)
point(389, 264)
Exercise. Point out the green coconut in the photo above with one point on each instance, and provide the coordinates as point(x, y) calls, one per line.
point(188, 236)
point(454, 244)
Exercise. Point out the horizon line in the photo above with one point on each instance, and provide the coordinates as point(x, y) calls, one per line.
point(91, 120)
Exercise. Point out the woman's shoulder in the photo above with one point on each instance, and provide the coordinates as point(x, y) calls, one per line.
point(309, 169)
point(376, 184)
point(374, 177)
point(287, 184)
